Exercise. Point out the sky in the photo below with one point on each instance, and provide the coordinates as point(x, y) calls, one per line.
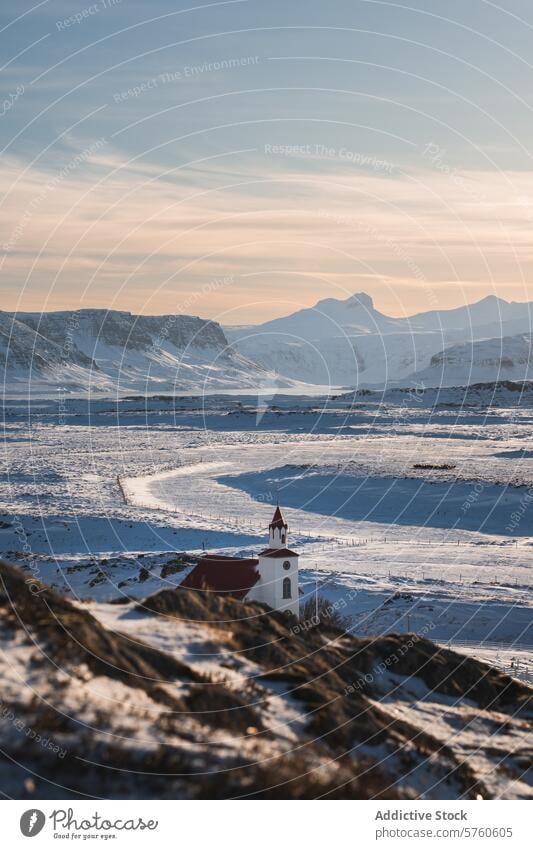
point(239, 160)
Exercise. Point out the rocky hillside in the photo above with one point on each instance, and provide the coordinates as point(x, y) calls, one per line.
point(125, 330)
point(23, 348)
point(187, 695)
point(111, 351)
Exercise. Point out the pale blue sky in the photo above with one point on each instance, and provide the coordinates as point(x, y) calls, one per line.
point(146, 154)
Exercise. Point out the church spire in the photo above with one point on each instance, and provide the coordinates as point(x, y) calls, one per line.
point(277, 530)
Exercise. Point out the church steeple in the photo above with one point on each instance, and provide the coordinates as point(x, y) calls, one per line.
point(278, 530)
point(278, 570)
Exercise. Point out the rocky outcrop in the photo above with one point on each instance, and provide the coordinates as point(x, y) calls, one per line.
point(109, 351)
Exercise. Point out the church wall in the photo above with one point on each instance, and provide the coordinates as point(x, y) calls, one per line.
point(269, 588)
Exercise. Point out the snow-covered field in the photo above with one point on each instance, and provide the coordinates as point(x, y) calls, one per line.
point(411, 518)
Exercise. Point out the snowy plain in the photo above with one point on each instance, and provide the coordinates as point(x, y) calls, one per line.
point(412, 517)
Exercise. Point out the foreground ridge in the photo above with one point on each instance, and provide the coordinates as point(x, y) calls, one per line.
point(208, 697)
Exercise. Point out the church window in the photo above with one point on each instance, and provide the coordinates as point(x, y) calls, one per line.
point(287, 564)
point(287, 592)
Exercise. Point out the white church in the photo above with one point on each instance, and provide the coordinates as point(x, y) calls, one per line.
point(271, 577)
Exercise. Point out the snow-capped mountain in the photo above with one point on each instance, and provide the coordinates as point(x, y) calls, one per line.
point(350, 342)
point(24, 348)
point(109, 351)
point(489, 312)
point(508, 358)
point(343, 360)
point(335, 343)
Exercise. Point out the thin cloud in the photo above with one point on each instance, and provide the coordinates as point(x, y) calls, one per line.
point(106, 219)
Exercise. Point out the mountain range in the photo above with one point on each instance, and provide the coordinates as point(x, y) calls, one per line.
point(337, 343)
point(349, 342)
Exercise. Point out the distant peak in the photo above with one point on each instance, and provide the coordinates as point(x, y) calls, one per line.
point(360, 299)
point(491, 299)
point(357, 301)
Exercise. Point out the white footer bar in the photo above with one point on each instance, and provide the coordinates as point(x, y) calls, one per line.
point(267, 824)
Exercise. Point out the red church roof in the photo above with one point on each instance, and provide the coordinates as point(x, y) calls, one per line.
point(278, 552)
point(233, 576)
point(278, 521)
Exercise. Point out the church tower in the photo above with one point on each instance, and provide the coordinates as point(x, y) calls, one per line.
point(277, 531)
point(278, 570)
